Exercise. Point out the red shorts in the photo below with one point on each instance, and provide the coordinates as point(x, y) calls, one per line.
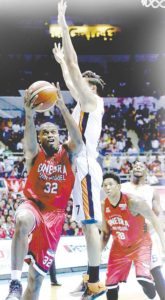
point(120, 261)
point(45, 236)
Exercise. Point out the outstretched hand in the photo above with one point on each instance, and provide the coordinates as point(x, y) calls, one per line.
point(61, 13)
point(60, 101)
point(58, 52)
point(29, 102)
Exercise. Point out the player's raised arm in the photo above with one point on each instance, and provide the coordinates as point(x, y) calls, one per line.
point(87, 98)
point(70, 54)
point(75, 142)
point(59, 57)
point(30, 144)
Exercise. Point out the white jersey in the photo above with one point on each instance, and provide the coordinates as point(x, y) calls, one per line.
point(88, 177)
point(90, 125)
point(146, 192)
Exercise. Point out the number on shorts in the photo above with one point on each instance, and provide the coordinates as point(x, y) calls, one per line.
point(51, 188)
point(78, 209)
point(47, 261)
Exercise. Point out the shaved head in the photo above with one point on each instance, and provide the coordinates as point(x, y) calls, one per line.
point(46, 125)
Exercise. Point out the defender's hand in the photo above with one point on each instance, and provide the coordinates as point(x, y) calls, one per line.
point(58, 53)
point(60, 101)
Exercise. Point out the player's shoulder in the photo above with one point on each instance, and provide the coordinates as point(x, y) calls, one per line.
point(125, 186)
point(128, 183)
point(99, 100)
point(99, 105)
point(103, 202)
point(148, 188)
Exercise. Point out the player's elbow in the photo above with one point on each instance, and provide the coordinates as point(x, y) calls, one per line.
point(73, 70)
point(71, 60)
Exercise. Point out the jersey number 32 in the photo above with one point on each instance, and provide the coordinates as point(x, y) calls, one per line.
point(51, 188)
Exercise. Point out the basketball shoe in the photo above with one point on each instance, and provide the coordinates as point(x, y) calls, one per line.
point(55, 283)
point(82, 286)
point(93, 290)
point(15, 290)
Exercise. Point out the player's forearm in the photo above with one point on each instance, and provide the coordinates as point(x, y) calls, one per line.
point(104, 240)
point(69, 51)
point(30, 137)
point(67, 78)
point(71, 125)
point(65, 72)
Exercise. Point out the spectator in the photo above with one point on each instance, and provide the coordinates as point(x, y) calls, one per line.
point(155, 144)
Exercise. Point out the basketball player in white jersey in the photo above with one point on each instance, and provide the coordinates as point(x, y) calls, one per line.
point(138, 186)
point(88, 114)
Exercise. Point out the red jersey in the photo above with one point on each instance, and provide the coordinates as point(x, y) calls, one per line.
point(50, 179)
point(126, 228)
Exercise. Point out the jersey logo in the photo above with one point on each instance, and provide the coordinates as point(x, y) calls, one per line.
point(48, 171)
point(123, 206)
point(107, 210)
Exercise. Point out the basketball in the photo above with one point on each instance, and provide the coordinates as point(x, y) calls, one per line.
point(47, 95)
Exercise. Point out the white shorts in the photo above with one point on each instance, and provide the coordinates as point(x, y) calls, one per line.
point(156, 256)
point(86, 191)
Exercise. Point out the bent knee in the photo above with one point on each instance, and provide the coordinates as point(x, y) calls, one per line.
point(90, 229)
point(25, 222)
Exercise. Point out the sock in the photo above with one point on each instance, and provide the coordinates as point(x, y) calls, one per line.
point(16, 275)
point(93, 274)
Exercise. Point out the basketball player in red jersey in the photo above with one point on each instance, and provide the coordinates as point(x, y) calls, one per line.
point(124, 219)
point(39, 219)
point(88, 114)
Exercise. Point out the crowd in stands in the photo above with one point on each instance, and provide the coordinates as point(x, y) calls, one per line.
point(149, 126)
point(117, 152)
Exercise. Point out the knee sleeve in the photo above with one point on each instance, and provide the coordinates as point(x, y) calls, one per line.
point(112, 294)
point(148, 288)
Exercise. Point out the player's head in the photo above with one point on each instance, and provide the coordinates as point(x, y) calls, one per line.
point(111, 184)
point(49, 137)
point(139, 169)
point(94, 80)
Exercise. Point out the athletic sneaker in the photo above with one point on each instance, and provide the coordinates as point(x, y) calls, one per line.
point(93, 291)
point(15, 290)
point(55, 283)
point(82, 286)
